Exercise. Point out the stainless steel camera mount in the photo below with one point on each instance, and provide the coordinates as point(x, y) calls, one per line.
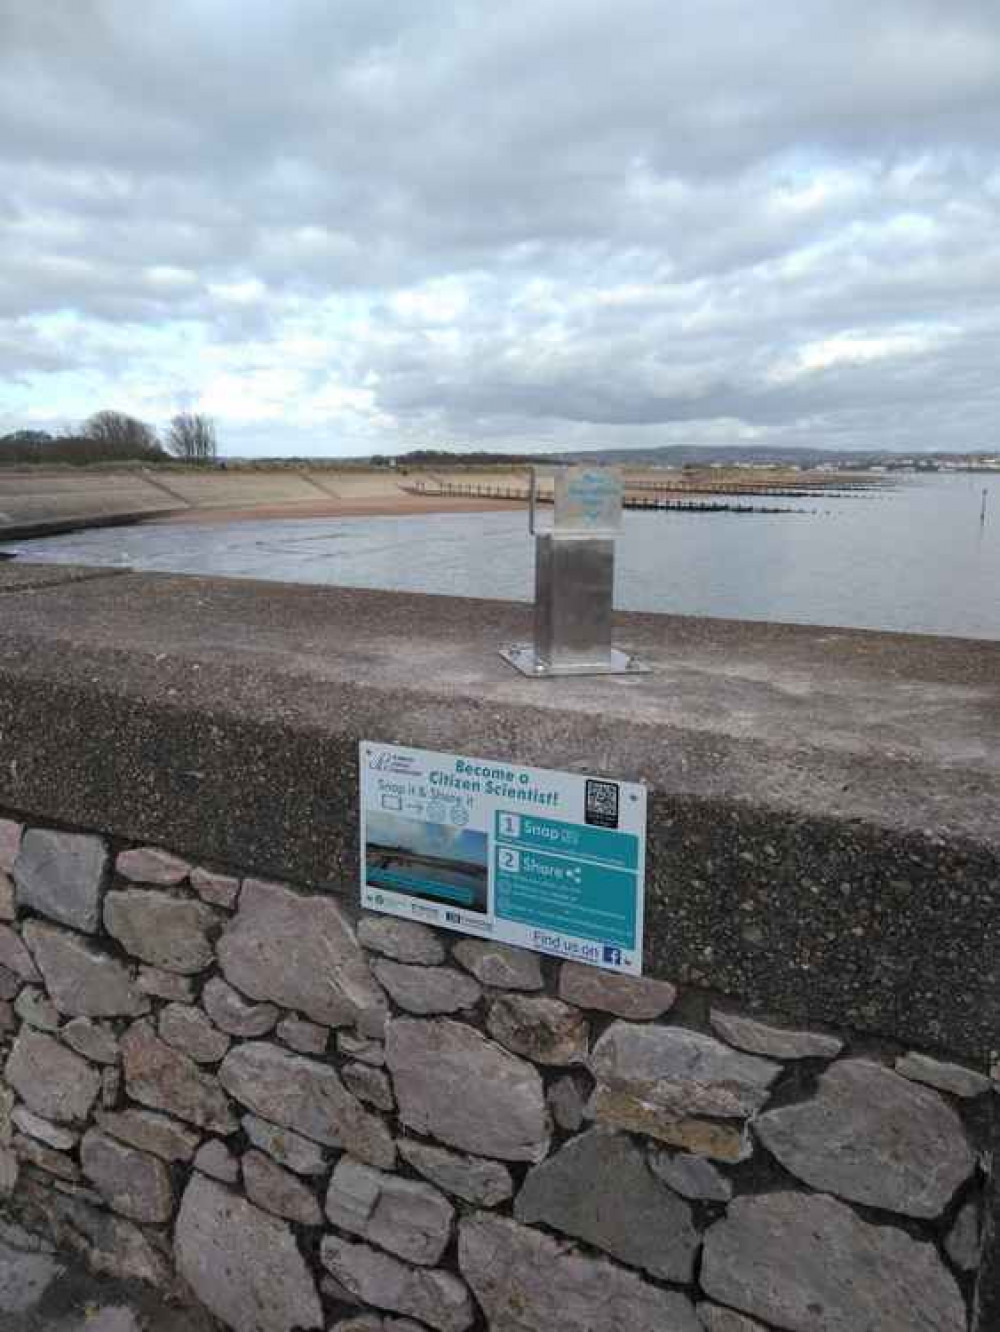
point(574, 579)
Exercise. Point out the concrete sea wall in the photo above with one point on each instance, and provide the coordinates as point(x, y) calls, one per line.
point(244, 1092)
point(220, 1077)
point(40, 501)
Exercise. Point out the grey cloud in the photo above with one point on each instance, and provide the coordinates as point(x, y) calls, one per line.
point(648, 207)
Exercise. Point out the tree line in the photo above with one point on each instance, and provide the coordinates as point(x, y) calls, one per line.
point(115, 437)
point(443, 458)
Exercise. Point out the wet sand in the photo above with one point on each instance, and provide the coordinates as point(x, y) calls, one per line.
point(375, 506)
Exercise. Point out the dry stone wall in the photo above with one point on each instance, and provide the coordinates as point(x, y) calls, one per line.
point(245, 1094)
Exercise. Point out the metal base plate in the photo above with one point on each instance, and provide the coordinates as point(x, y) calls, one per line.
point(523, 658)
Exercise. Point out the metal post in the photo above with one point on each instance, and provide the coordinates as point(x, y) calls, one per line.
point(574, 579)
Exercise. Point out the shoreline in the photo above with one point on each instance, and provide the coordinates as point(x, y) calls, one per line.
point(374, 507)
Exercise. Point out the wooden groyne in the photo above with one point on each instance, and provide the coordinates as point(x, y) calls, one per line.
point(656, 503)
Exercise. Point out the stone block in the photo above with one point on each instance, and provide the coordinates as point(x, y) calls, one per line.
point(368, 1084)
point(288, 1148)
point(234, 1014)
point(636, 998)
point(8, 901)
point(598, 1188)
point(9, 1171)
point(53, 1162)
point(660, 1081)
point(471, 1178)
point(953, 1078)
point(24, 1279)
point(304, 1037)
point(10, 844)
point(150, 1132)
point(499, 965)
point(402, 940)
point(111, 1087)
point(808, 1263)
point(82, 979)
point(307, 1097)
point(729, 1143)
point(53, 1081)
point(453, 1084)
point(427, 990)
point(166, 985)
point(149, 864)
point(7, 1102)
point(135, 1185)
point(362, 1048)
point(34, 1007)
point(158, 1076)
point(217, 1161)
point(962, 1244)
point(409, 1219)
point(872, 1137)
point(436, 1298)
point(761, 1038)
point(96, 1043)
point(546, 1031)
point(16, 958)
point(567, 1103)
point(172, 933)
point(187, 1028)
point(53, 1135)
point(691, 1176)
point(527, 1281)
point(60, 875)
point(242, 1263)
point(108, 1244)
point(300, 952)
point(279, 1192)
point(221, 890)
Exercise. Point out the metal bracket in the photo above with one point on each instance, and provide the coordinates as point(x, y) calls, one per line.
point(524, 658)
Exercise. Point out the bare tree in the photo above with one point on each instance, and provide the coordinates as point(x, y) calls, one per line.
point(116, 435)
point(192, 437)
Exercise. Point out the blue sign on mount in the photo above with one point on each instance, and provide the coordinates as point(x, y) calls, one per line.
point(551, 861)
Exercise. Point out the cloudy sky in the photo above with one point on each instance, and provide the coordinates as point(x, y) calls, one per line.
point(354, 226)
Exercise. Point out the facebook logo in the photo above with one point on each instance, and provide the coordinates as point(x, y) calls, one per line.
point(612, 956)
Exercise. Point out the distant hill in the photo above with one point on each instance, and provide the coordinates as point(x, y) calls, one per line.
point(690, 455)
point(699, 455)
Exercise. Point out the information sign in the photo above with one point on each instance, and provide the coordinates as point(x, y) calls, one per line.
point(588, 501)
point(551, 861)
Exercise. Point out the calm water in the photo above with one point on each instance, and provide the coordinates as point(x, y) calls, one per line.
point(912, 558)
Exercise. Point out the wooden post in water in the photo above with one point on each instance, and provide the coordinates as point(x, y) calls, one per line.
point(982, 513)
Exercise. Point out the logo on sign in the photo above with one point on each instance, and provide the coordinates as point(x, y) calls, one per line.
point(591, 492)
point(387, 762)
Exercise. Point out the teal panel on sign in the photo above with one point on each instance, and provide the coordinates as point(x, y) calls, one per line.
point(411, 883)
point(573, 897)
point(569, 839)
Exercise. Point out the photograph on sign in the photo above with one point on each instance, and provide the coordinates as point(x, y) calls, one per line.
point(546, 860)
point(428, 860)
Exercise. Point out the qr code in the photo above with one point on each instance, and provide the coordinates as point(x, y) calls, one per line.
point(601, 803)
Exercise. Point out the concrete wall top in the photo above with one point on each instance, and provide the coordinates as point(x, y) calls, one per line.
point(825, 804)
